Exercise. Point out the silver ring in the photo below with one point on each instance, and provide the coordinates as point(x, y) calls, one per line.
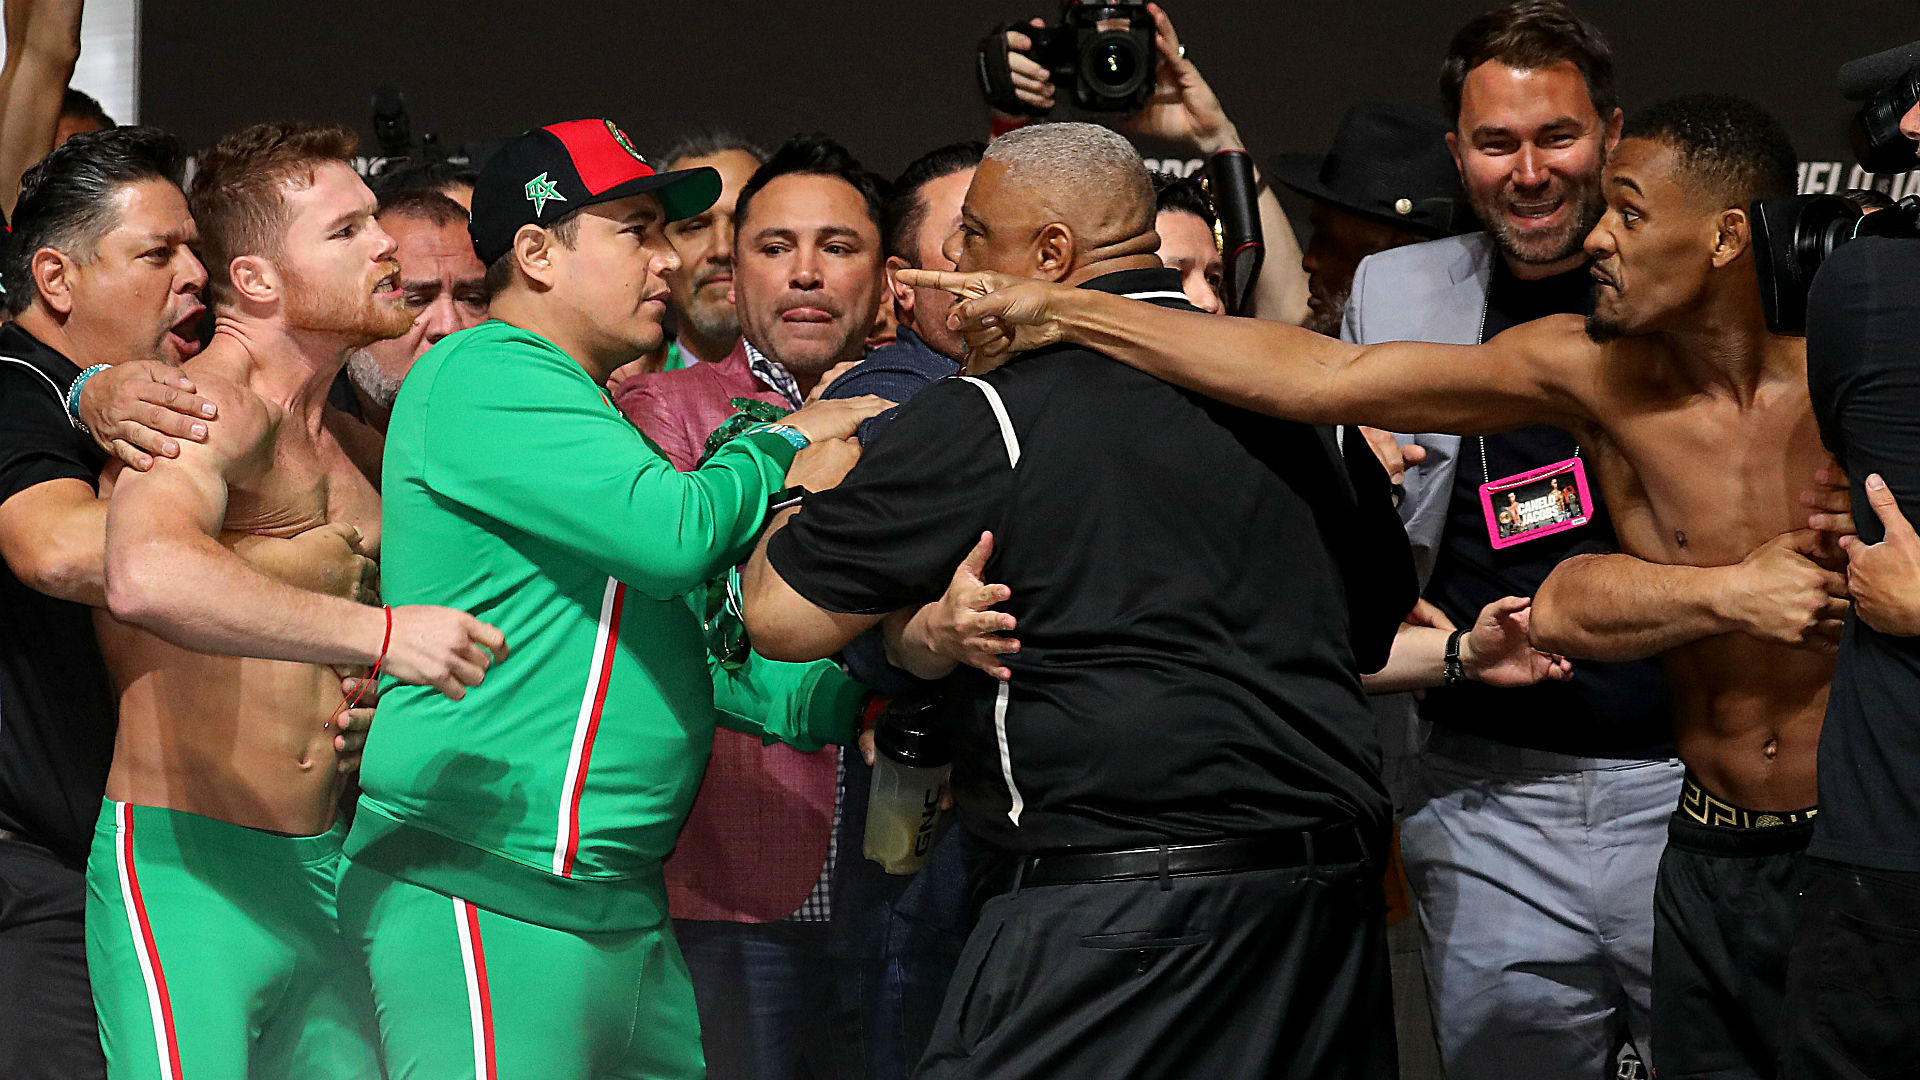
point(1183, 52)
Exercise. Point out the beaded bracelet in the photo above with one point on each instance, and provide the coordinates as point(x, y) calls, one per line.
point(73, 395)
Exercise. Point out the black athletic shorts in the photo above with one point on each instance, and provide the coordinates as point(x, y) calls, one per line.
point(1725, 906)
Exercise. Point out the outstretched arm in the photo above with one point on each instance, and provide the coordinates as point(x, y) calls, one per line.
point(1618, 607)
point(1537, 373)
point(1496, 650)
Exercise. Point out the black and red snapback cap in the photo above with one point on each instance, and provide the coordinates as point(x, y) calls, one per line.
point(540, 176)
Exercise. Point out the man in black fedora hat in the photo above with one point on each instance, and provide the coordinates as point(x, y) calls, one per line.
point(1387, 181)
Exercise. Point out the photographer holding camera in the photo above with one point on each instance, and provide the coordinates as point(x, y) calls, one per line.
point(1095, 62)
point(1853, 994)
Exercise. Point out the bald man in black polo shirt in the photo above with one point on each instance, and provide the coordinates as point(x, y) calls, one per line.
point(1180, 780)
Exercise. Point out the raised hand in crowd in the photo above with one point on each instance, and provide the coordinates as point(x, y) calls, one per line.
point(351, 726)
point(838, 418)
point(824, 463)
point(1184, 110)
point(1885, 577)
point(831, 451)
point(1497, 650)
point(826, 380)
point(43, 45)
point(1394, 456)
point(1032, 83)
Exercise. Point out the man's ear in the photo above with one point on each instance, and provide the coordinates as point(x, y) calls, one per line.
point(532, 251)
point(1732, 235)
point(254, 278)
point(902, 294)
point(53, 277)
point(1053, 251)
point(1613, 129)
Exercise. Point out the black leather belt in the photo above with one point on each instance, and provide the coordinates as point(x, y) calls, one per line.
point(1272, 852)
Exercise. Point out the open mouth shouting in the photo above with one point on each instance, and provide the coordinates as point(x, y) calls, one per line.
point(182, 336)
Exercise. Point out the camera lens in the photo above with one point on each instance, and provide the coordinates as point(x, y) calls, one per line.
point(1114, 63)
point(1113, 68)
point(1878, 143)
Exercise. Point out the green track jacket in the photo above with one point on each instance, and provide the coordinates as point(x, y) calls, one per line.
point(514, 489)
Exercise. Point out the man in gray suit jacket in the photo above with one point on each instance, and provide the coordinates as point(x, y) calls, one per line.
point(1532, 969)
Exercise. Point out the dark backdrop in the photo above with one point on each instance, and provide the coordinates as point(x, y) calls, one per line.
point(893, 78)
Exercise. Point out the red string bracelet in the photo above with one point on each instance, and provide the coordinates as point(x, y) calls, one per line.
point(372, 676)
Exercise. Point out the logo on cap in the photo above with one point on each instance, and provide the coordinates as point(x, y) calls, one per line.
point(540, 191)
point(625, 143)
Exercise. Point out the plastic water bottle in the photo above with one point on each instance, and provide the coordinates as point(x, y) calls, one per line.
point(909, 784)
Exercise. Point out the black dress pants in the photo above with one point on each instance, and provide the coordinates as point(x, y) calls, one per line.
point(1853, 979)
point(1263, 973)
point(47, 1026)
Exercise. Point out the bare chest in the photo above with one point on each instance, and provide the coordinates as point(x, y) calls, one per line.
point(303, 479)
point(1706, 482)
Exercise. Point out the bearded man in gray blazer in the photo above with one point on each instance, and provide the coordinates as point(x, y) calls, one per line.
point(1535, 817)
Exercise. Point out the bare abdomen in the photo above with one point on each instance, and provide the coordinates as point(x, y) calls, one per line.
point(1747, 715)
point(243, 741)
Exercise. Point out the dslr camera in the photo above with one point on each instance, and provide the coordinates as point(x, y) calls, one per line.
point(1101, 53)
point(1875, 135)
point(1794, 234)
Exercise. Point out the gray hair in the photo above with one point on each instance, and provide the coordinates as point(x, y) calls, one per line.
point(706, 142)
point(1070, 159)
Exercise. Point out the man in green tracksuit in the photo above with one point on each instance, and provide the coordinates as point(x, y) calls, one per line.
point(504, 882)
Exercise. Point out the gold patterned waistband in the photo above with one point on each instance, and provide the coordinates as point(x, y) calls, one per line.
point(1697, 803)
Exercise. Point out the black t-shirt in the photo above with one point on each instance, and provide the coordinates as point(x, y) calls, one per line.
point(56, 704)
point(1606, 710)
point(1863, 368)
point(1185, 671)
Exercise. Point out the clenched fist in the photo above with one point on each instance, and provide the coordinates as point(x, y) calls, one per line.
point(439, 647)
